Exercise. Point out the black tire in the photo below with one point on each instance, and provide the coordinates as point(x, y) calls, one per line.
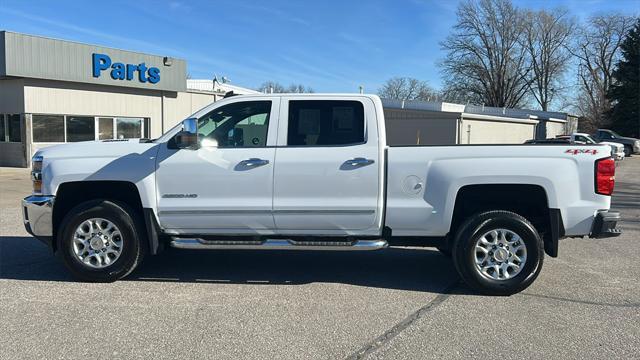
point(627, 150)
point(130, 226)
point(478, 225)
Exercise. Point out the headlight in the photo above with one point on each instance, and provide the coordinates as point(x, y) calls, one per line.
point(637, 146)
point(36, 174)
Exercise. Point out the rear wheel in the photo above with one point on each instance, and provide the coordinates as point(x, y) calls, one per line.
point(100, 241)
point(498, 253)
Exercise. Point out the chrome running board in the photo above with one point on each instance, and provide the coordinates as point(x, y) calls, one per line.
point(277, 244)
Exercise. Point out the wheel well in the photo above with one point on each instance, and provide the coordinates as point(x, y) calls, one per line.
point(73, 193)
point(529, 201)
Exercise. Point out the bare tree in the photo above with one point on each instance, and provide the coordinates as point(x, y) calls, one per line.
point(271, 87)
point(277, 88)
point(597, 49)
point(407, 88)
point(546, 37)
point(455, 93)
point(299, 89)
point(485, 57)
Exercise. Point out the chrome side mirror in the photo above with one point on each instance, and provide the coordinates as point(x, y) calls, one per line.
point(188, 137)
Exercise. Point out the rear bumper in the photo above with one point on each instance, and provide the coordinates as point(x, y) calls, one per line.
point(604, 225)
point(37, 213)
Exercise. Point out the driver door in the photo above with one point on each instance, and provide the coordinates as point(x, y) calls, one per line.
point(225, 186)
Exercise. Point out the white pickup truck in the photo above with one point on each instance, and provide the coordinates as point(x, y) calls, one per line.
point(315, 172)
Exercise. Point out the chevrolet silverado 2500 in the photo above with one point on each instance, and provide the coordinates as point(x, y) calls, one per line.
point(314, 171)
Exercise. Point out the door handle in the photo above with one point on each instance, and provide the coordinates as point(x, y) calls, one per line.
point(254, 162)
point(359, 161)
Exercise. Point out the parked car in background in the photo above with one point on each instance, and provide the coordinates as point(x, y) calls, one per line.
point(631, 145)
point(617, 149)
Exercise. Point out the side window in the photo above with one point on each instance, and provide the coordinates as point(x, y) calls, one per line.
point(47, 128)
point(2, 131)
point(605, 135)
point(325, 122)
point(241, 124)
point(81, 128)
point(13, 125)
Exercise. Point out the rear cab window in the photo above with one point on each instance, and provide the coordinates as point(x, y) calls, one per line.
point(314, 123)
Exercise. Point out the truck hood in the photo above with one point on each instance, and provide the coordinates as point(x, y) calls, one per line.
point(112, 160)
point(618, 146)
point(94, 149)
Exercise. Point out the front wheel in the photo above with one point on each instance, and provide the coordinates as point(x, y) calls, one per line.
point(627, 151)
point(99, 241)
point(498, 253)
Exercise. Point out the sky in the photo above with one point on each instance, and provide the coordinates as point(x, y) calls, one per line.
point(329, 45)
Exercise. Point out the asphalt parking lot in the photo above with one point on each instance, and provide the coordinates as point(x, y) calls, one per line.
point(398, 303)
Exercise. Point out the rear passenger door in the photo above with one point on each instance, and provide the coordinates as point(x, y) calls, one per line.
point(327, 172)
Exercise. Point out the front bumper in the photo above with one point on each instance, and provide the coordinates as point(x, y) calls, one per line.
point(604, 225)
point(37, 213)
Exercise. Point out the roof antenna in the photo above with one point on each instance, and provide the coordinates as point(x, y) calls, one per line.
point(214, 82)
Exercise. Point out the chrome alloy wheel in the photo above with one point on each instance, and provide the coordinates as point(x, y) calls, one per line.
point(500, 254)
point(97, 243)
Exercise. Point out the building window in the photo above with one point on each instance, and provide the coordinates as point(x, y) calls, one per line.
point(70, 128)
point(128, 128)
point(147, 128)
point(105, 128)
point(3, 132)
point(13, 128)
point(48, 128)
point(80, 128)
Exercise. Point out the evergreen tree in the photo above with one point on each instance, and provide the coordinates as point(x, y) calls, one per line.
point(625, 93)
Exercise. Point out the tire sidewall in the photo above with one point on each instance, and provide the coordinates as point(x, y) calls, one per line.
point(118, 214)
point(464, 253)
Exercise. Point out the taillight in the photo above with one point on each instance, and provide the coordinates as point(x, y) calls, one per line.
point(605, 176)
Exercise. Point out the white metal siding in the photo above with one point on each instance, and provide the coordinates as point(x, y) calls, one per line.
point(555, 128)
point(493, 132)
point(181, 105)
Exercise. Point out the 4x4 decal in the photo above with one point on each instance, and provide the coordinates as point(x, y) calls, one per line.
point(581, 151)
